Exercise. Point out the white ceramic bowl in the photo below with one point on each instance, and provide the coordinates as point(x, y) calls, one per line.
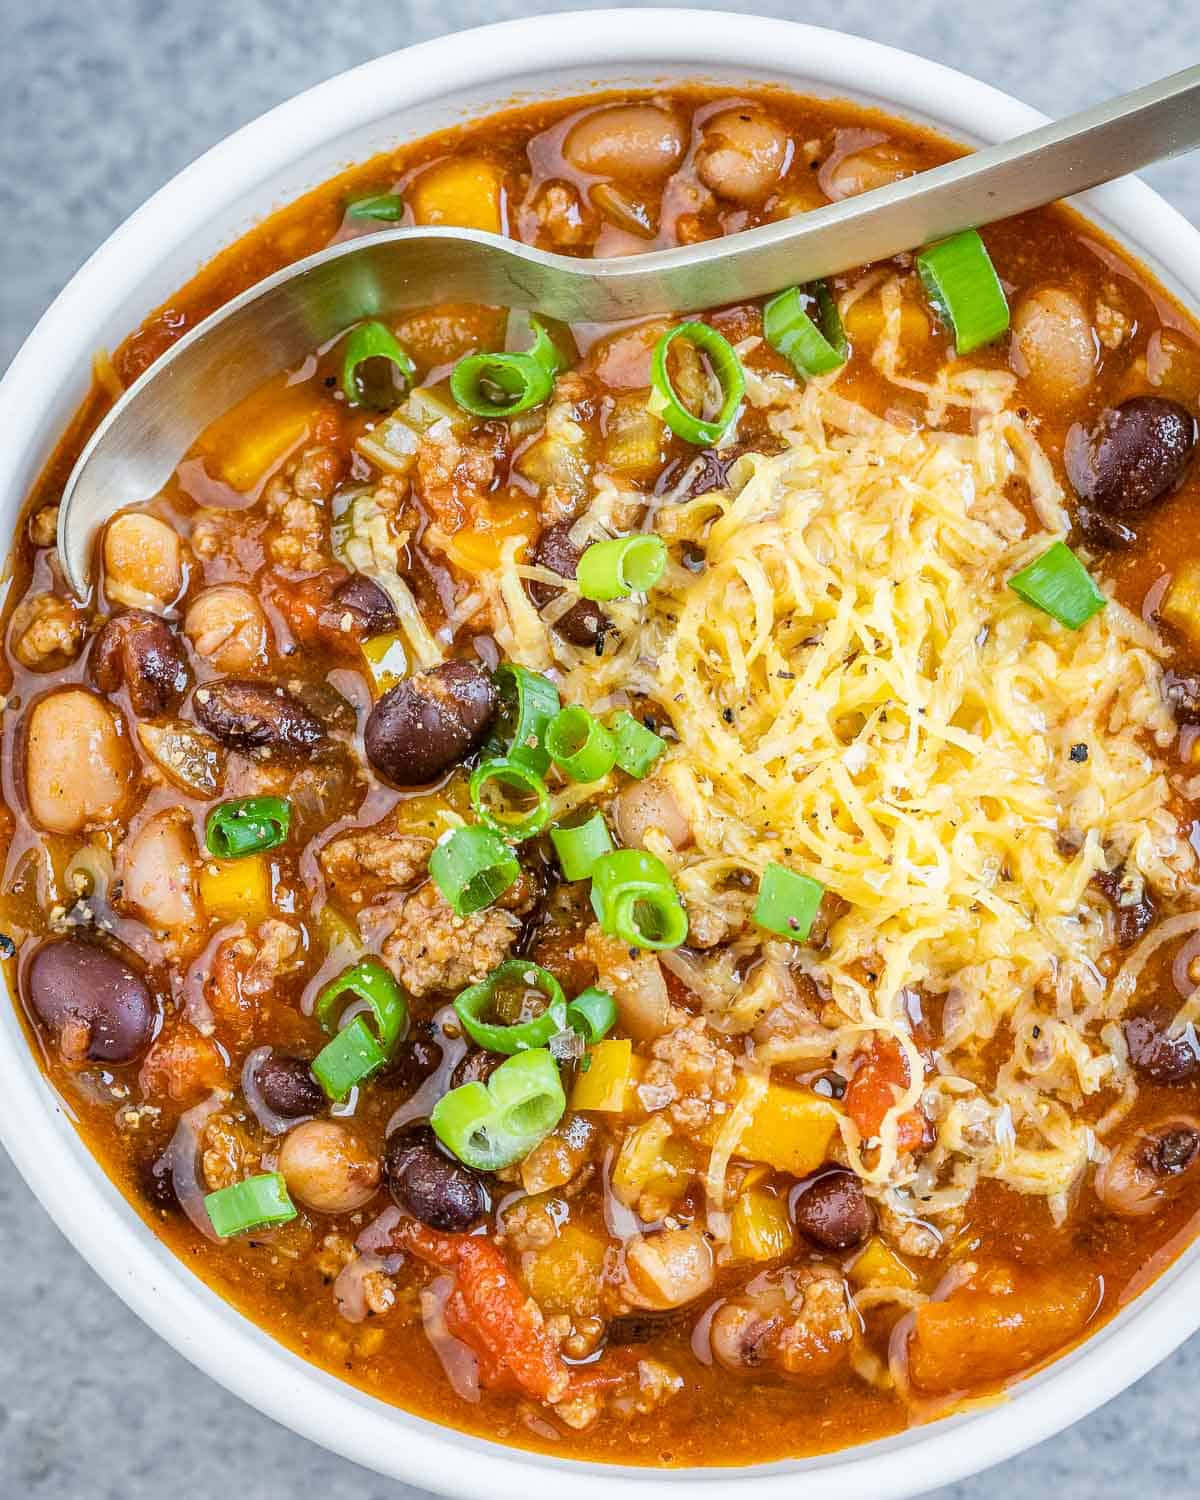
point(271, 161)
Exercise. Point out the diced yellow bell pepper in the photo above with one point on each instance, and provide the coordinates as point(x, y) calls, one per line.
point(387, 661)
point(336, 931)
point(652, 1161)
point(251, 439)
point(466, 190)
point(865, 321)
point(1181, 603)
point(475, 548)
point(565, 1275)
point(759, 1228)
point(610, 1081)
point(879, 1264)
point(633, 436)
point(237, 889)
point(790, 1131)
point(430, 814)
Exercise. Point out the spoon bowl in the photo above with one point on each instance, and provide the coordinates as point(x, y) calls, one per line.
point(278, 322)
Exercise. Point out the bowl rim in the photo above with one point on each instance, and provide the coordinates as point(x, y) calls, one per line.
point(34, 1121)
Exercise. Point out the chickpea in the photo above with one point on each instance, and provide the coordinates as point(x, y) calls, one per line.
point(744, 154)
point(640, 141)
point(78, 765)
point(1053, 345)
point(143, 561)
point(226, 625)
point(667, 1268)
point(328, 1168)
point(873, 167)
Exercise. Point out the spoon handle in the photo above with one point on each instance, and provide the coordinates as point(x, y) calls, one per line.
point(1055, 161)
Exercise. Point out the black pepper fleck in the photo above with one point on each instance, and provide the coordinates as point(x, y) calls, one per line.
point(1079, 753)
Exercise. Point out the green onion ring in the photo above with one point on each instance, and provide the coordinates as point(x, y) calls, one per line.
point(593, 1013)
point(348, 1060)
point(522, 381)
point(579, 744)
point(528, 701)
point(637, 747)
point(247, 825)
point(372, 341)
point(804, 325)
point(505, 771)
point(471, 867)
point(788, 902)
point(580, 845)
point(387, 207)
point(473, 1004)
point(726, 367)
point(1058, 584)
point(624, 565)
point(253, 1203)
point(962, 284)
point(370, 981)
point(495, 1124)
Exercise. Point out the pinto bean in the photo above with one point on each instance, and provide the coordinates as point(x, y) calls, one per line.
point(79, 768)
point(227, 627)
point(832, 1210)
point(432, 1186)
point(371, 611)
point(1133, 455)
point(1053, 346)
point(254, 715)
point(98, 1007)
point(143, 561)
point(1150, 1167)
point(429, 723)
point(288, 1087)
point(328, 1168)
point(744, 154)
point(644, 805)
point(627, 140)
point(139, 649)
point(1158, 1055)
point(584, 623)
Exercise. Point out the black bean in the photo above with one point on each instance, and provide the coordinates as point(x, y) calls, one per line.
point(1157, 1055)
point(433, 721)
point(477, 1067)
point(1182, 692)
point(644, 1325)
point(1132, 918)
point(249, 715)
point(288, 1087)
point(413, 1060)
point(138, 649)
point(370, 609)
point(832, 1210)
point(584, 623)
point(1103, 530)
point(158, 1185)
point(1172, 1150)
point(98, 1007)
point(1134, 454)
point(432, 1186)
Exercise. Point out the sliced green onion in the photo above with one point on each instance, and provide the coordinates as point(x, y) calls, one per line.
point(726, 367)
point(502, 771)
point(372, 341)
point(580, 745)
point(804, 325)
point(367, 981)
point(962, 284)
point(501, 385)
point(515, 974)
point(528, 701)
point(247, 826)
point(593, 1013)
point(253, 1203)
point(579, 847)
point(495, 1124)
point(471, 867)
point(1058, 583)
point(386, 206)
point(635, 900)
point(624, 565)
point(637, 747)
point(787, 902)
point(348, 1060)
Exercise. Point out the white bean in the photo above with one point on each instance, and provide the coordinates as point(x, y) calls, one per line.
point(1053, 344)
point(744, 154)
point(79, 768)
point(626, 140)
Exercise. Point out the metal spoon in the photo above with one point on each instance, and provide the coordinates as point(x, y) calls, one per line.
point(276, 323)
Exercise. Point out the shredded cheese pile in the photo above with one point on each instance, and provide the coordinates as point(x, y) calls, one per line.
point(856, 693)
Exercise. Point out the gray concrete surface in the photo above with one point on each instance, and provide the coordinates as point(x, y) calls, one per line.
point(100, 102)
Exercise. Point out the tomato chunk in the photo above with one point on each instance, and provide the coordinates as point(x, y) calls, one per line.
point(882, 1075)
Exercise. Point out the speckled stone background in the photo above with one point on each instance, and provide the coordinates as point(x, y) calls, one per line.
point(100, 102)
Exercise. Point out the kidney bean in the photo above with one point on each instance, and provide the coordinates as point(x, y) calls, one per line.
point(138, 649)
point(254, 715)
point(832, 1210)
point(371, 611)
point(98, 1007)
point(288, 1087)
point(1163, 1058)
point(584, 623)
point(1133, 455)
point(429, 723)
point(435, 1188)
